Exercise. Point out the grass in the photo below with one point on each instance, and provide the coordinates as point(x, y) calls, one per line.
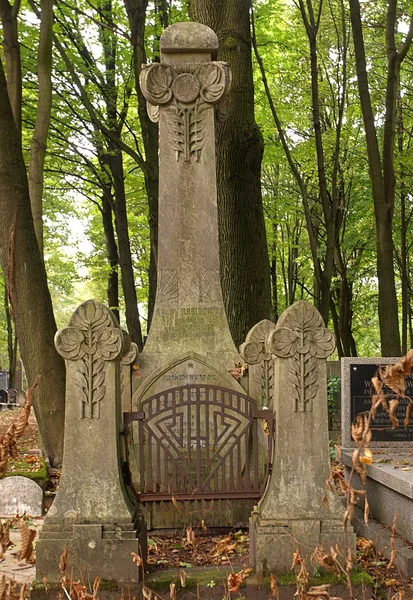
point(163, 580)
point(24, 468)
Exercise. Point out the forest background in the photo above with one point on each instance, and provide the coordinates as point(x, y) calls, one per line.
point(314, 168)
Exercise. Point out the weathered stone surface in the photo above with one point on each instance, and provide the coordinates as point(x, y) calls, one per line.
point(189, 316)
point(261, 363)
point(19, 495)
point(91, 514)
point(291, 512)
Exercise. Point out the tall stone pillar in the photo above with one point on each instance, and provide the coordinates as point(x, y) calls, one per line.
point(297, 509)
point(91, 516)
point(184, 92)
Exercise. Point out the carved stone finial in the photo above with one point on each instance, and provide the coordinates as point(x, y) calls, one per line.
point(254, 349)
point(300, 336)
point(186, 91)
point(92, 338)
point(189, 37)
point(130, 356)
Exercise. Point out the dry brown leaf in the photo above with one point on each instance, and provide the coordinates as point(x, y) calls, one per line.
point(393, 404)
point(182, 576)
point(275, 592)
point(365, 545)
point(63, 561)
point(2, 586)
point(393, 543)
point(190, 535)
point(234, 582)
point(319, 591)
point(22, 594)
point(27, 538)
point(5, 535)
point(326, 561)
point(358, 466)
point(137, 559)
point(366, 510)
point(408, 414)
point(325, 502)
point(172, 591)
point(96, 585)
point(367, 457)
point(175, 503)
point(204, 527)
point(46, 587)
point(297, 559)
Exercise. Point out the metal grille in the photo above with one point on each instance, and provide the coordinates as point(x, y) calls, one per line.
point(200, 442)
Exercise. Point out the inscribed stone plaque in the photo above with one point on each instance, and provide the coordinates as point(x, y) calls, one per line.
point(19, 495)
point(362, 390)
point(356, 393)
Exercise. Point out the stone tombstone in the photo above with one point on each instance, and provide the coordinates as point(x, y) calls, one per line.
point(260, 363)
point(91, 515)
point(356, 394)
point(20, 495)
point(3, 380)
point(189, 340)
point(292, 511)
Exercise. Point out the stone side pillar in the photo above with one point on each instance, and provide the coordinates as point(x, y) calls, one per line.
point(91, 516)
point(293, 510)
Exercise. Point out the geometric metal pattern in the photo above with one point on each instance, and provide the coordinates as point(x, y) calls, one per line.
point(200, 442)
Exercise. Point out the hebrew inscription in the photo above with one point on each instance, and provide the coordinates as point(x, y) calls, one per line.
point(91, 339)
point(186, 91)
point(303, 339)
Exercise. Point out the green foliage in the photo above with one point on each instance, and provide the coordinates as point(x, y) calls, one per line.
point(333, 389)
point(78, 153)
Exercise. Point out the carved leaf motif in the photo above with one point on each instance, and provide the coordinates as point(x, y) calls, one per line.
point(252, 352)
point(176, 130)
point(155, 83)
point(212, 79)
point(69, 343)
point(109, 343)
point(91, 316)
point(322, 342)
point(283, 342)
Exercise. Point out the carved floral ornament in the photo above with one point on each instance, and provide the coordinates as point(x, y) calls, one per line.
point(302, 339)
point(92, 338)
point(187, 91)
point(91, 331)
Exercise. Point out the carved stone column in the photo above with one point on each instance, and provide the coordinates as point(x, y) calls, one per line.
point(297, 509)
point(184, 92)
point(91, 515)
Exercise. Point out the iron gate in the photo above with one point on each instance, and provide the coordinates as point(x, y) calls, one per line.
point(200, 442)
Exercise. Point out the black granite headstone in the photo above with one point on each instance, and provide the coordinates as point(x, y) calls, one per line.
point(361, 394)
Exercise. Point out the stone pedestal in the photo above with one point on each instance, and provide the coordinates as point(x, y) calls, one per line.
point(297, 510)
point(92, 515)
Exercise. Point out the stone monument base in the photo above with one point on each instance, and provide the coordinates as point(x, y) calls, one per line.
point(273, 543)
point(94, 550)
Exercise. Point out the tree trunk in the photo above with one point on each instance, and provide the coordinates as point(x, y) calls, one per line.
point(245, 273)
point(112, 254)
point(115, 162)
point(382, 179)
point(136, 10)
point(8, 14)
point(11, 340)
point(41, 127)
point(26, 279)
